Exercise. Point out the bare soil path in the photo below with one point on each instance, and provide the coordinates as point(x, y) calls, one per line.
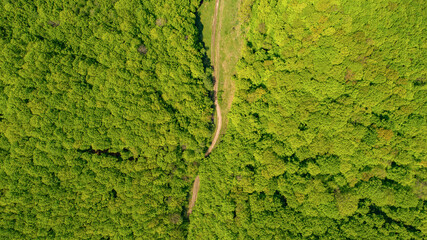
point(196, 186)
point(215, 63)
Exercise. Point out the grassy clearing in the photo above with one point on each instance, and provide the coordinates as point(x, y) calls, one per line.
point(229, 43)
point(206, 12)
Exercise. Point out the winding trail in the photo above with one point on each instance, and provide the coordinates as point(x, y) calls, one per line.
point(193, 199)
point(215, 63)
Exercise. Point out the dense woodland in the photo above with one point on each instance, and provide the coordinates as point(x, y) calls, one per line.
point(327, 132)
point(105, 114)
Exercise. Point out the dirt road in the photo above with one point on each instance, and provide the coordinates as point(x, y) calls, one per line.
point(196, 186)
point(215, 63)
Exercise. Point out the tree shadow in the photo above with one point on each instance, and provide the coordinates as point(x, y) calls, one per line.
point(206, 60)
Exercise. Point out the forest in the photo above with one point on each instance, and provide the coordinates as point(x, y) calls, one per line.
point(327, 132)
point(106, 112)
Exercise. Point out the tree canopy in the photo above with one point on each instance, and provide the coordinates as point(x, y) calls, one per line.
point(106, 114)
point(104, 117)
point(326, 138)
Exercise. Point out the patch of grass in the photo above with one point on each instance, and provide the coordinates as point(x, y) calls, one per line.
point(229, 40)
point(230, 43)
point(206, 12)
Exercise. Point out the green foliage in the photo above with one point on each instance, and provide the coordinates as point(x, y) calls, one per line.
point(104, 116)
point(326, 138)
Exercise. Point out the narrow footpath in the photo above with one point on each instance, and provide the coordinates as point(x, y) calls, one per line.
point(215, 63)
